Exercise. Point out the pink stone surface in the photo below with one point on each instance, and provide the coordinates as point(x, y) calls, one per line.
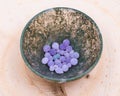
point(17, 80)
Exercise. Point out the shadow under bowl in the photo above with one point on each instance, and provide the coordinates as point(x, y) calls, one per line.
point(57, 24)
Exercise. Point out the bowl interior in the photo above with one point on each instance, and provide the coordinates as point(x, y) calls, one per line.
point(57, 24)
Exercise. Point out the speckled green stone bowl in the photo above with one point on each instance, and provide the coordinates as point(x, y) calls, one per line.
point(56, 24)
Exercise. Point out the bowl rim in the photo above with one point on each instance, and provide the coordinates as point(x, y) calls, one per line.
point(54, 79)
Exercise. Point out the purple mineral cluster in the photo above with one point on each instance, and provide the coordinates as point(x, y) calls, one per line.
point(60, 57)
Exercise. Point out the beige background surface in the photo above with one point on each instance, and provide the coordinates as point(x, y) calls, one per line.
point(17, 80)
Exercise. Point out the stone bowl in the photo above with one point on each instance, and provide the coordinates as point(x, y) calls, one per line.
point(56, 24)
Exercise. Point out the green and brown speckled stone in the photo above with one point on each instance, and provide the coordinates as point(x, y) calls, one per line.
point(57, 24)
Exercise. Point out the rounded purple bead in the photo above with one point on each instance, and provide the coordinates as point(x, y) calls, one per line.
point(66, 42)
point(50, 58)
point(44, 60)
point(58, 51)
point(61, 52)
point(65, 68)
point(69, 48)
point(60, 65)
point(50, 63)
point(62, 58)
point(46, 48)
point(66, 54)
point(67, 60)
point(71, 52)
point(76, 55)
point(53, 52)
point(55, 66)
point(55, 45)
point(52, 68)
point(47, 54)
point(59, 70)
point(62, 47)
point(74, 61)
point(57, 61)
point(69, 65)
point(72, 55)
point(57, 56)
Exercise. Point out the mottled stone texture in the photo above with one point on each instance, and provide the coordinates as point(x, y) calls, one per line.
point(55, 25)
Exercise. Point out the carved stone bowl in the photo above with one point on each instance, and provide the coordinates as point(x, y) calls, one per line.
point(56, 24)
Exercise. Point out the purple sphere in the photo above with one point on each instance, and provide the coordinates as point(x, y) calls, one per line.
point(57, 56)
point(76, 55)
point(74, 61)
point(47, 54)
point(57, 61)
point(59, 70)
point(62, 47)
point(60, 65)
point(66, 54)
point(46, 48)
point(66, 42)
point(55, 45)
point(61, 52)
point(58, 51)
point(50, 63)
point(55, 66)
point(62, 58)
point(68, 59)
point(50, 58)
point(69, 48)
point(53, 52)
point(52, 68)
point(65, 68)
point(71, 52)
point(44, 60)
point(72, 55)
point(69, 65)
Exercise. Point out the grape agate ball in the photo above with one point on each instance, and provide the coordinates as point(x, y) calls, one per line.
point(46, 48)
point(55, 45)
point(66, 42)
point(45, 60)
